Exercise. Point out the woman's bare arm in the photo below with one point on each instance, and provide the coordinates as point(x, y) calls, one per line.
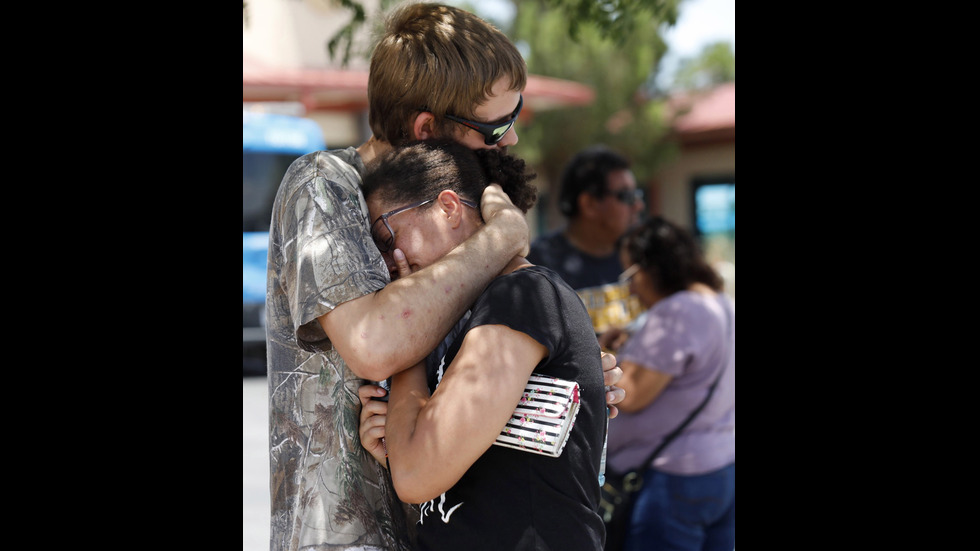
point(459, 422)
point(642, 386)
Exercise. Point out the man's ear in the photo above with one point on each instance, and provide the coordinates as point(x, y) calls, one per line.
point(587, 204)
point(424, 126)
point(451, 206)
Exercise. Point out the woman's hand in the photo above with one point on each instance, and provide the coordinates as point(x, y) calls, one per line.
point(613, 338)
point(611, 374)
point(374, 413)
point(401, 267)
point(496, 208)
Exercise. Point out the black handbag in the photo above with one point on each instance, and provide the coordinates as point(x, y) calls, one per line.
point(619, 490)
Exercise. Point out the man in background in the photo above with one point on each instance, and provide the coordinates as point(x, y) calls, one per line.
point(599, 197)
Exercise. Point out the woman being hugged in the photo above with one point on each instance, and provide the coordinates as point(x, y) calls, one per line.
point(440, 427)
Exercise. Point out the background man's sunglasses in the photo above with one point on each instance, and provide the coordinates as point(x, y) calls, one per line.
point(492, 132)
point(627, 196)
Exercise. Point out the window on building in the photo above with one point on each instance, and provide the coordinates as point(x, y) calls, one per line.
point(714, 223)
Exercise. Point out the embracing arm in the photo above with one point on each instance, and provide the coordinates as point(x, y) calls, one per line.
point(374, 413)
point(642, 386)
point(460, 421)
point(385, 332)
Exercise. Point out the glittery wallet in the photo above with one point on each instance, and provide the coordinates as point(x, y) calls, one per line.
point(543, 418)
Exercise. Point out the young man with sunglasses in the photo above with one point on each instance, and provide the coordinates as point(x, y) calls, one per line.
point(601, 201)
point(333, 319)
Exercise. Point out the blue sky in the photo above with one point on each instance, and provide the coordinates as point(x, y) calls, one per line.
point(700, 22)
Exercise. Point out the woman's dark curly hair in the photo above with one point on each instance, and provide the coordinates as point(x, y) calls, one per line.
point(670, 255)
point(422, 169)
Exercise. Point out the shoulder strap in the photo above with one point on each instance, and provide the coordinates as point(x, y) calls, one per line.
point(670, 437)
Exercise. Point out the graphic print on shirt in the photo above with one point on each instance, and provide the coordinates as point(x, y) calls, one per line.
point(432, 506)
point(440, 354)
point(440, 351)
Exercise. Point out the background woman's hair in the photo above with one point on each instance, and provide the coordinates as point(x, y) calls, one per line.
point(670, 255)
point(422, 169)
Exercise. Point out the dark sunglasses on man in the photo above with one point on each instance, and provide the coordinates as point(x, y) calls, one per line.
point(492, 132)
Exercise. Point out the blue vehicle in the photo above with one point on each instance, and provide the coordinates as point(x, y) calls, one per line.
point(269, 144)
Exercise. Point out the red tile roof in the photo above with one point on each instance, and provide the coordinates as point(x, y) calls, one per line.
point(347, 89)
point(705, 115)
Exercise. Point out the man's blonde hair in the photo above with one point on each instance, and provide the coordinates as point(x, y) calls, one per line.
point(439, 59)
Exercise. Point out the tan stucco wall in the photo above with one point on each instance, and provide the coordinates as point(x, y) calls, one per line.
point(341, 129)
point(674, 180)
point(287, 33)
point(290, 34)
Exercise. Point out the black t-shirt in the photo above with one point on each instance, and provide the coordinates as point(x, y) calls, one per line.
point(578, 269)
point(517, 500)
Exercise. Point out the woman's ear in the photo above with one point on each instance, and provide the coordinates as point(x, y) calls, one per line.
point(424, 126)
point(451, 207)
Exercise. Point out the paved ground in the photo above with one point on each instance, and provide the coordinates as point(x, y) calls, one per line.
point(255, 464)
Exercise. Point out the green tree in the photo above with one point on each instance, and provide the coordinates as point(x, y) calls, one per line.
point(618, 62)
point(714, 65)
point(614, 46)
point(613, 19)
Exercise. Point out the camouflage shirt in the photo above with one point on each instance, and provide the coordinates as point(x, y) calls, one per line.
point(327, 491)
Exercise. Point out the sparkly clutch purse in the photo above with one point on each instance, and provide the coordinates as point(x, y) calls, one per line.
point(544, 417)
